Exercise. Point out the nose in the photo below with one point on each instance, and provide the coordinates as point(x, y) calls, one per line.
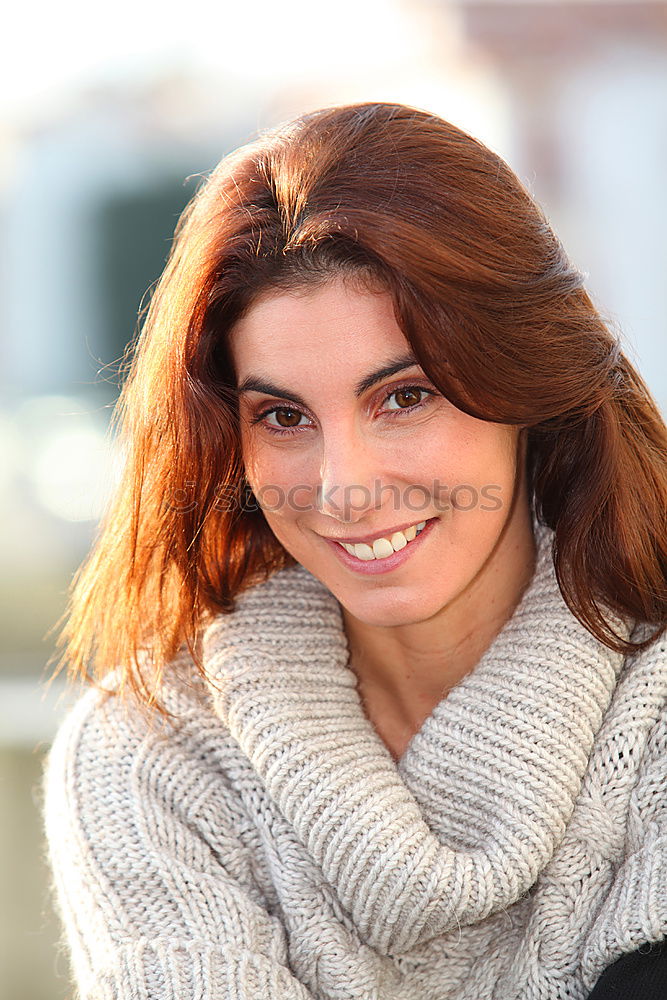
point(349, 484)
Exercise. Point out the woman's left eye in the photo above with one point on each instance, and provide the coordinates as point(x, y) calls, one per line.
point(407, 397)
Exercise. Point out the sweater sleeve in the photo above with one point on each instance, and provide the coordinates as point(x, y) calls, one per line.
point(634, 914)
point(152, 872)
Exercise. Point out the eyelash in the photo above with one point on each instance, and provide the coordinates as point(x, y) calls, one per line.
point(401, 411)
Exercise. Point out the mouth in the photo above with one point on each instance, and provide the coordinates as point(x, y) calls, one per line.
point(386, 552)
point(383, 545)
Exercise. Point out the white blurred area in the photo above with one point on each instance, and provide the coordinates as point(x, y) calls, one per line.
point(108, 120)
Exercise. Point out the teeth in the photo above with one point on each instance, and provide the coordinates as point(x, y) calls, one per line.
point(398, 541)
point(363, 551)
point(383, 547)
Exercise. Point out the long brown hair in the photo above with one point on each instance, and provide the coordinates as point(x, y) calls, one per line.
point(495, 312)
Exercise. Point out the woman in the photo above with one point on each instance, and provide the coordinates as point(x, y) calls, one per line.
point(377, 614)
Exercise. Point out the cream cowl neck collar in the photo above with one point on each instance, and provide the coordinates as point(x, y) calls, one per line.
point(476, 807)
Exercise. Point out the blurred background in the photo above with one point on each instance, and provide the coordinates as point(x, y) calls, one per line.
point(108, 118)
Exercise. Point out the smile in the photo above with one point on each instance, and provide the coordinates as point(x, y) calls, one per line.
point(384, 546)
point(384, 554)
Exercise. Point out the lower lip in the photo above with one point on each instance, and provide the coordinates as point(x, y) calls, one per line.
point(373, 566)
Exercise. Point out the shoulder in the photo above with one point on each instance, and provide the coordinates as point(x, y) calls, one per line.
point(630, 768)
point(630, 743)
point(106, 737)
point(157, 868)
point(129, 794)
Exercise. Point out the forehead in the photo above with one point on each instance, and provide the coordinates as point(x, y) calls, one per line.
point(337, 325)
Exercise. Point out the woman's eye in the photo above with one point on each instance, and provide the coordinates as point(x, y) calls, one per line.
point(407, 397)
point(283, 417)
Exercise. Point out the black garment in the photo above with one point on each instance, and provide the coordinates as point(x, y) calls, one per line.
point(640, 975)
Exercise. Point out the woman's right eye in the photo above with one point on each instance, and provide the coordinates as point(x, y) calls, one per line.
point(285, 417)
point(285, 420)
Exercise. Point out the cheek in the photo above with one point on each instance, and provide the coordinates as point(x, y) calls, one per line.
point(494, 474)
point(462, 451)
point(270, 465)
point(469, 461)
point(280, 482)
point(259, 462)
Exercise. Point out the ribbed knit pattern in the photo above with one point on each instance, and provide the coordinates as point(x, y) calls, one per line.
point(266, 844)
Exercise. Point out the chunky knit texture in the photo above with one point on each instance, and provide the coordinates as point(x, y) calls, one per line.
point(265, 844)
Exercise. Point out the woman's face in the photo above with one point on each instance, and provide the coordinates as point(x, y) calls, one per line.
point(345, 439)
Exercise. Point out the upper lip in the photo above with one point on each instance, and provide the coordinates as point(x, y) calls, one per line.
point(386, 533)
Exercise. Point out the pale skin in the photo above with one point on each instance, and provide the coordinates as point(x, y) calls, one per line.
point(416, 630)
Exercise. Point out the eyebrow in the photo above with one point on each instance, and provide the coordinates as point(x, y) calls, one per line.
point(253, 383)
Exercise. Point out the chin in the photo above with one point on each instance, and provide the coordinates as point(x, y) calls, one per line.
point(389, 611)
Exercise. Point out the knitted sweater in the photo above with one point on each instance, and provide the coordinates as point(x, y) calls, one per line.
point(265, 844)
